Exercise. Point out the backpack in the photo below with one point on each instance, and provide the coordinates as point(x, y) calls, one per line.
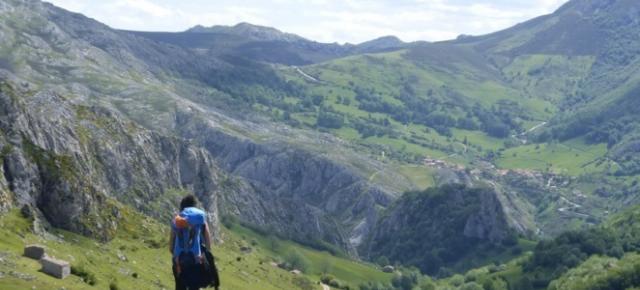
point(188, 226)
point(209, 277)
point(194, 263)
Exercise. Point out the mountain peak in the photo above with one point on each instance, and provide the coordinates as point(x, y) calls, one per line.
point(384, 42)
point(248, 30)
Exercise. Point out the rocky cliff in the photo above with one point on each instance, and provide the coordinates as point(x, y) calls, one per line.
point(439, 227)
point(74, 164)
point(299, 194)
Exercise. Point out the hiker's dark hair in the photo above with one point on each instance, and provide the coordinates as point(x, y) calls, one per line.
point(188, 201)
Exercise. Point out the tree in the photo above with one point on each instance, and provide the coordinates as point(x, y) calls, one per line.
point(297, 261)
point(426, 284)
point(382, 261)
point(406, 279)
point(330, 120)
point(273, 243)
point(317, 99)
point(498, 130)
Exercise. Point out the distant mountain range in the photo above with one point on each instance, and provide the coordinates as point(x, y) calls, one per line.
point(268, 44)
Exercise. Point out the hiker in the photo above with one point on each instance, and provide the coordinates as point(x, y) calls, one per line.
point(190, 246)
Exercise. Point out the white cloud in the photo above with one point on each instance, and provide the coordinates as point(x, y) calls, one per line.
point(144, 6)
point(322, 20)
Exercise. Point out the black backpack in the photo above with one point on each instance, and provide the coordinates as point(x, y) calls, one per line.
point(209, 271)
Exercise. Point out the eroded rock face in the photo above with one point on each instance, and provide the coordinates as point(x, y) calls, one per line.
point(5, 193)
point(489, 222)
point(72, 162)
point(296, 193)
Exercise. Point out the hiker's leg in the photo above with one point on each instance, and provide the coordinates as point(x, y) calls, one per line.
point(179, 285)
point(176, 276)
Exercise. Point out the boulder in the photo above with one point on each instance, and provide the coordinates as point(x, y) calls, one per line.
point(296, 272)
point(56, 268)
point(388, 269)
point(35, 252)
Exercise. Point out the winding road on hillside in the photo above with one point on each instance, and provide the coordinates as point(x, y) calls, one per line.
point(304, 74)
point(536, 127)
point(522, 136)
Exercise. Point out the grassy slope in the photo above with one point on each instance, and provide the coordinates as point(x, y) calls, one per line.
point(343, 269)
point(510, 272)
point(572, 157)
point(385, 74)
point(548, 77)
point(147, 256)
point(594, 272)
point(536, 82)
point(598, 273)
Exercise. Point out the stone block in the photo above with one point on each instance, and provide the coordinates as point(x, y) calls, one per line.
point(56, 268)
point(388, 269)
point(35, 252)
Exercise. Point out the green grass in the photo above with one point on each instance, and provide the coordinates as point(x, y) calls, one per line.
point(479, 139)
point(145, 248)
point(349, 271)
point(403, 146)
point(347, 133)
point(420, 176)
point(573, 157)
point(150, 261)
point(548, 77)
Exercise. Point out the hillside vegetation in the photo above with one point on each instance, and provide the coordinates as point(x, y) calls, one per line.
point(138, 258)
point(443, 233)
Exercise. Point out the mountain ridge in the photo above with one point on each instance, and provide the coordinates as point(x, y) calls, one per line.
point(251, 31)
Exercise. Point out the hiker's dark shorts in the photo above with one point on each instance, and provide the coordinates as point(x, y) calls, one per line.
point(189, 274)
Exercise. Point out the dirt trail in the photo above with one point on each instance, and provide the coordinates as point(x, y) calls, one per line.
point(305, 74)
point(536, 127)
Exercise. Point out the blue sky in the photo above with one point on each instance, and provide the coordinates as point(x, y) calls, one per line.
point(341, 21)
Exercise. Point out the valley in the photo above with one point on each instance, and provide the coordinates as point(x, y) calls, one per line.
point(463, 164)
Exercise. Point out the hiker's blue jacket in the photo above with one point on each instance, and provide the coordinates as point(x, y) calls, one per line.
point(189, 238)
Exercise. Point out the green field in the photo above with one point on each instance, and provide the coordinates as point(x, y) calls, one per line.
point(420, 176)
point(573, 157)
